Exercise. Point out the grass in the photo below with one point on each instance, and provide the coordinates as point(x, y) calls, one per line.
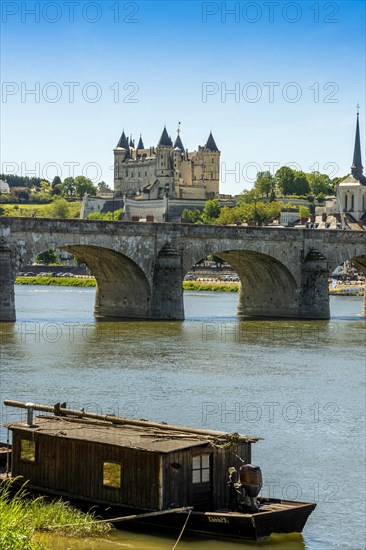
point(38, 210)
point(22, 518)
point(211, 286)
point(85, 282)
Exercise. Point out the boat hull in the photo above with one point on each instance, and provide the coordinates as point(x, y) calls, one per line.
point(274, 516)
point(289, 517)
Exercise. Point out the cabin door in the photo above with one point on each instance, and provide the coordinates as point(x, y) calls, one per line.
point(202, 481)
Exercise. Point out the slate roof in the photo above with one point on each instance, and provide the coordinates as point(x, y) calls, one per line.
point(178, 143)
point(165, 140)
point(210, 143)
point(123, 141)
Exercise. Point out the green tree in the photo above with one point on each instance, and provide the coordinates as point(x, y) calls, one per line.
point(102, 185)
point(191, 216)
point(48, 257)
point(56, 181)
point(211, 211)
point(264, 183)
point(319, 183)
point(285, 180)
point(84, 185)
point(68, 187)
point(248, 196)
point(59, 208)
point(304, 212)
point(300, 183)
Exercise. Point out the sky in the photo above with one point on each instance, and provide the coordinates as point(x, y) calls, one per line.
point(277, 82)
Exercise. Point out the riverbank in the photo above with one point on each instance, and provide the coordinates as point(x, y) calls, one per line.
point(211, 286)
point(23, 519)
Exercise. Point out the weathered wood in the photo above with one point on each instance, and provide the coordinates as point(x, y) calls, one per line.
point(125, 421)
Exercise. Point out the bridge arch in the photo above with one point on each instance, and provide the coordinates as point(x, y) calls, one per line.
point(123, 290)
point(267, 286)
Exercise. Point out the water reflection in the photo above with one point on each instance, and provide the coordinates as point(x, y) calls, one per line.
point(151, 541)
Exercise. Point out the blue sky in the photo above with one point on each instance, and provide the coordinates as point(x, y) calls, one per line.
point(297, 69)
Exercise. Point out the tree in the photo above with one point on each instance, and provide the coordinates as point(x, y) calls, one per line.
point(102, 185)
point(21, 193)
point(264, 183)
point(300, 184)
point(68, 187)
point(56, 181)
point(84, 185)
point(285, 180)
point(48, 257)
point(191, 216)
point(304, 212)
point(248, 196)
point(59, 208)
point(319, 183)
point(211, 211)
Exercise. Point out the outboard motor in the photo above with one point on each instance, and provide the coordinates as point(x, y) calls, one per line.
point(251, 481)
point(246, 489)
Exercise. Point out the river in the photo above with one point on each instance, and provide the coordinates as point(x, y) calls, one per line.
point(298, 384)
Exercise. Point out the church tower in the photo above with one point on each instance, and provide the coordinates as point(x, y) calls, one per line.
point(351, 192)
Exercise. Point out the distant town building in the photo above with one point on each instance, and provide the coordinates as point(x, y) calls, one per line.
point(351, 191)
point(4, 187)
point(167, 169)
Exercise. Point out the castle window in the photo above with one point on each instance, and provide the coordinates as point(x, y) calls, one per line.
point(145, 174)
point(352, 202)
point(139, 174)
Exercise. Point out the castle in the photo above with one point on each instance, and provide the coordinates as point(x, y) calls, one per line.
point(167, 170)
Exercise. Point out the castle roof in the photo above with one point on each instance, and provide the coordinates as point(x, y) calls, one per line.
point(123, 141)
point(165, 140)
point(178, 143)
point(140, 144)
point(210, 143)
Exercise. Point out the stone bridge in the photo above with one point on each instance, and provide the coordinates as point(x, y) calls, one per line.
point(139, 267)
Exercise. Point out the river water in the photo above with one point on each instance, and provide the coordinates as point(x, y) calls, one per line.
point(298, 384)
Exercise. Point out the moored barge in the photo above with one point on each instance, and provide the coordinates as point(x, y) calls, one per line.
point(148, 472)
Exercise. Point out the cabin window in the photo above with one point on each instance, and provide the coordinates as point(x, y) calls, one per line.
point(27, 450)
point(112, 474)
point(201, 468)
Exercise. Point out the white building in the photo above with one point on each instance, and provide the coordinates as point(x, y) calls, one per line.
point(4, 187)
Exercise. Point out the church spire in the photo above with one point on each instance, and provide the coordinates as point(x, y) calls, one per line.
point(357, 168)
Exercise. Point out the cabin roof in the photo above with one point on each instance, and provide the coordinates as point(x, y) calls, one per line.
point(151, 439)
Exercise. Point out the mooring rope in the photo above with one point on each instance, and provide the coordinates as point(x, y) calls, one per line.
point(182, 531)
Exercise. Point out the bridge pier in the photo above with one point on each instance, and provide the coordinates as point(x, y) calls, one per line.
point(314, 291)
point(167, 300)
point(7, 298)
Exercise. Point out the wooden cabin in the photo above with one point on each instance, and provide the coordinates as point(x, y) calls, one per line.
point(125, 462)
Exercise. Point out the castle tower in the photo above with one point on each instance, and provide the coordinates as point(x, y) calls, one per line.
point(121, 153)
point(208, 167)
point(164, 164)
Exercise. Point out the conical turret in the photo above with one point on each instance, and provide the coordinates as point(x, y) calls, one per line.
point(210, 143)
point(140, 144)
point(165, 140)
point(123, 141)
